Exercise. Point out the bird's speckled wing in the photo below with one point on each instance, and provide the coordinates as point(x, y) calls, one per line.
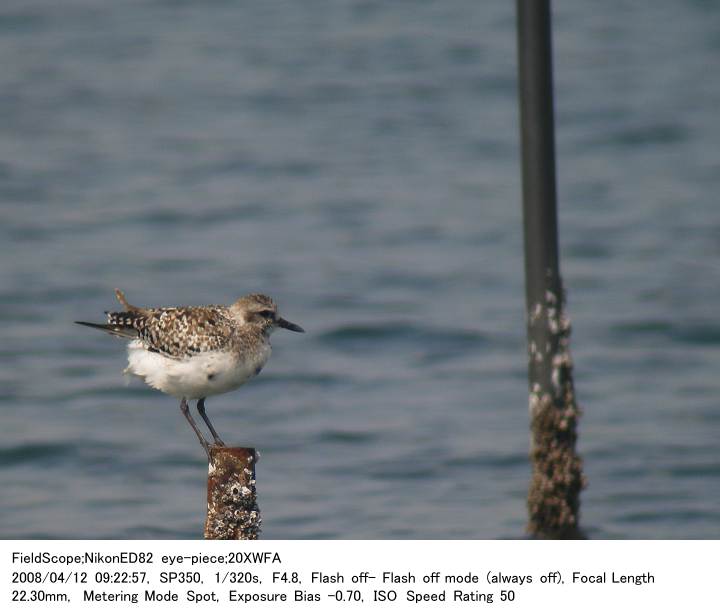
point(178, 332)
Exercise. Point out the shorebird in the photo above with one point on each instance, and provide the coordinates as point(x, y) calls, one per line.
point(192, 352)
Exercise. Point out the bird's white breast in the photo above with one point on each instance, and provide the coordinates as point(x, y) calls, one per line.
point(206, 374)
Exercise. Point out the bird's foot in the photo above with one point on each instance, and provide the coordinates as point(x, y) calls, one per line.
point(186, 412)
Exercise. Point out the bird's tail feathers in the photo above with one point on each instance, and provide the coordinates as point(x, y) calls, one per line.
point(126, 304)
point(121, 324)
point(121, 331)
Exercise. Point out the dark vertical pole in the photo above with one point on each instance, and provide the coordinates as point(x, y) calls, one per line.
point(554, 495)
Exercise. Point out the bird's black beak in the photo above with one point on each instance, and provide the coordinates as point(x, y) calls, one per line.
point(291, 326)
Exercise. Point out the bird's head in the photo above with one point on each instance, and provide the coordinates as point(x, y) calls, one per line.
point(261, 311)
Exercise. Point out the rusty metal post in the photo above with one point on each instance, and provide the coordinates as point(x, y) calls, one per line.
point(232, 511)
point(557, 477)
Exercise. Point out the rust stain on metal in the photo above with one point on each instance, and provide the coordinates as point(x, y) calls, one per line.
point(232, 506)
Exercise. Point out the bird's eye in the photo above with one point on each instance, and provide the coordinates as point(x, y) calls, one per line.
point(268, 314)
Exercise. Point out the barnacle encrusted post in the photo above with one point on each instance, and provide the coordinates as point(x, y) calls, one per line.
point(557, 478)
point(232, 511)
point(557, 473)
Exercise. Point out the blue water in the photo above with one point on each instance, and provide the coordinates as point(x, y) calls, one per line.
point(358, 161)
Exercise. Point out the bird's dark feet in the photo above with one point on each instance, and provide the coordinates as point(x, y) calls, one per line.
point(186, 412)
point(218, 442)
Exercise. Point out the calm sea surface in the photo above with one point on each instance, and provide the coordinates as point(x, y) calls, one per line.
point(358, 161)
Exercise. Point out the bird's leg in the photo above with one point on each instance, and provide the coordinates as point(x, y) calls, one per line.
point(206, 419)
point(186, 411)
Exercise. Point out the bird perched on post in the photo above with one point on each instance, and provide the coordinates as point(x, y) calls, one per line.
point(193, 352)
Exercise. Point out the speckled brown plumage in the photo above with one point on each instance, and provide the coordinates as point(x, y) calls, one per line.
point(181, 332)
point(185, 331)
point(192, 352)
